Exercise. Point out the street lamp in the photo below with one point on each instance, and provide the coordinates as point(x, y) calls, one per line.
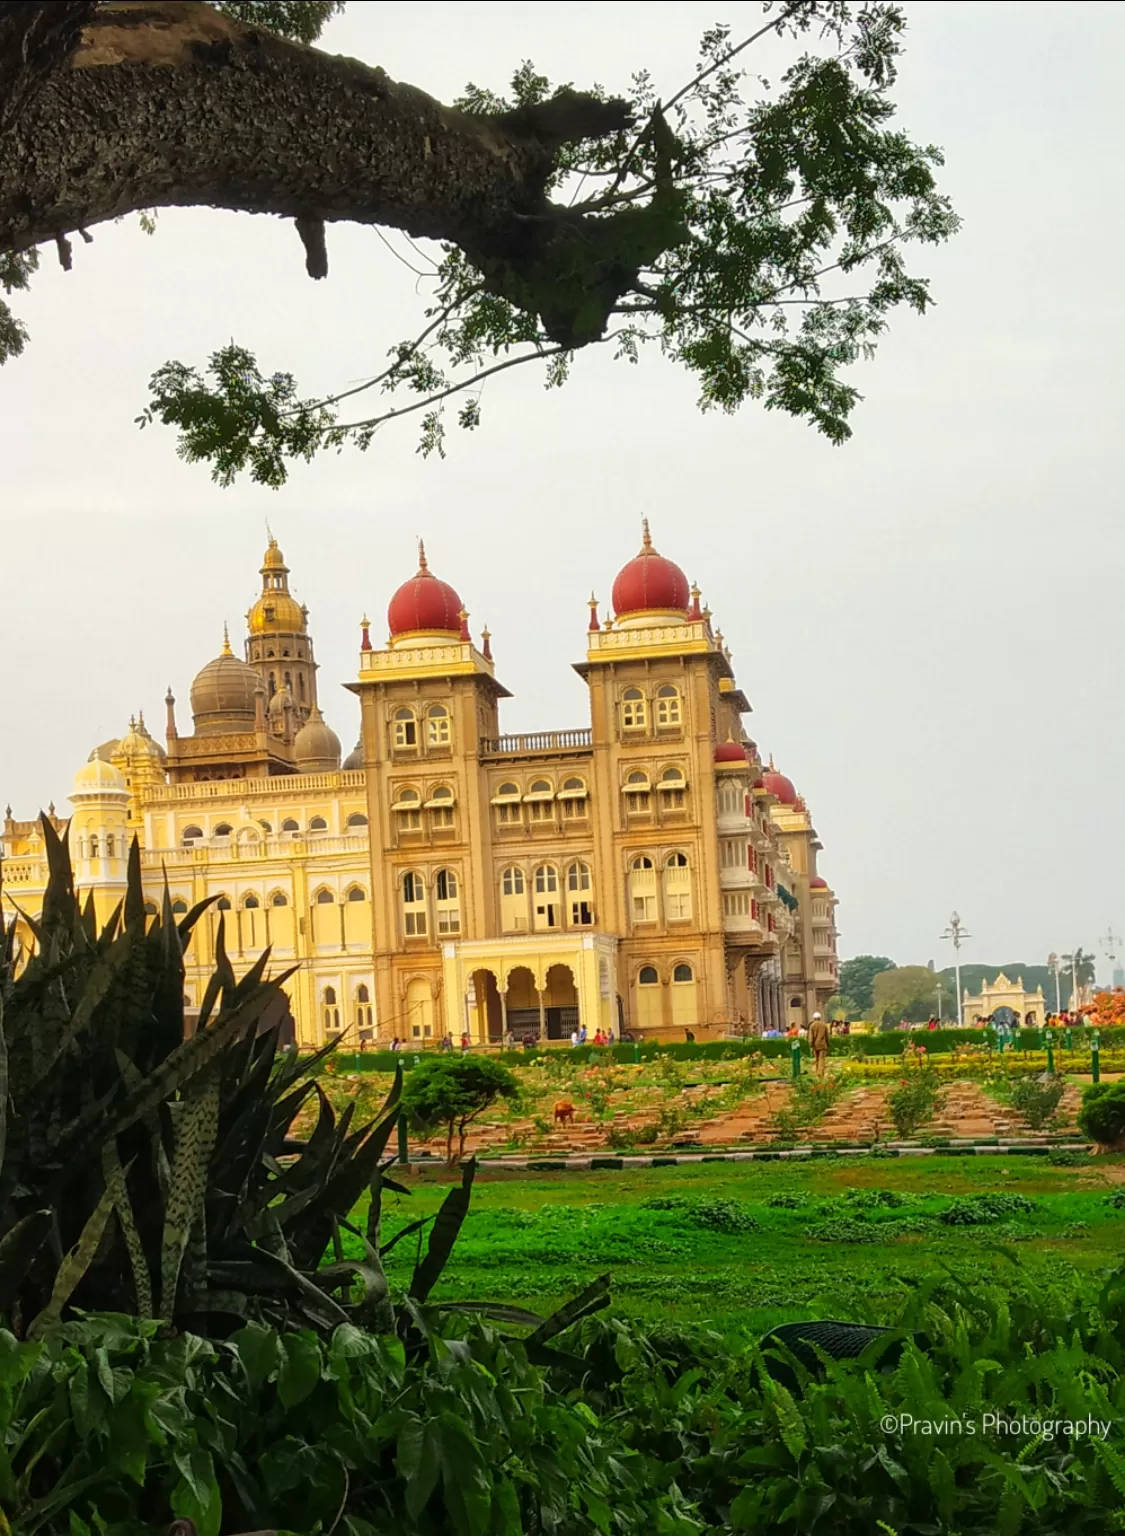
point(1053, 967)
point(1111, 943)
point(957, 933)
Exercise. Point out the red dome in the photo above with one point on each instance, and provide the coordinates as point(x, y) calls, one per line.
point(424, 604)
point(730, 752)
point(818, 883)
point(779, 785)
point(650, 584)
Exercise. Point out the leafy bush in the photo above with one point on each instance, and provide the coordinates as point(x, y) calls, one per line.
point(1037, 1101)
point(713, 1214)
point(984, 1210)
point(788, 1200)
point(1102, 1116)
point(141, 1172)
point(877, 1199)
point(916, 1100)
point(1116, 1200)
point(451, 1091)
point(1068, 1157)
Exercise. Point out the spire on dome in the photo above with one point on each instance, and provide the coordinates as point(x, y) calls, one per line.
point(422, 566)
point(593, 624)
point(365, 630)
point(646, 542)
point(226, 651)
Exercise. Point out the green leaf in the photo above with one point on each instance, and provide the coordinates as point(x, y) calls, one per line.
point(465, 1478)
point(258, 1352)
point(74, 1266)
point(301, 1368)
point(443, 1236)
point(418, 1460)
point(196, 1496)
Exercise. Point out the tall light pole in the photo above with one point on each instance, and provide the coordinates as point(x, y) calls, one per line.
point(1111, 943)
point(1053, 967)
point(957, 933)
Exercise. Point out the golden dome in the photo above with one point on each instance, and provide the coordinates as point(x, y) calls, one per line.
point(137, 742)
point(354, 760)
point(99, 778)
point(222, 695)
point(316, 746)
point(276, 612)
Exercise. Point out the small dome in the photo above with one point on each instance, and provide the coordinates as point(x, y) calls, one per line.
point(137, 742)
point(276, 613)
point(650, 584)
point(99, 778)
point(818, 883)
point(780, 786)
point(316, 746)
point(281, 701)
point(354, 760)
point(222, 695)
point(730, 752)
point(424, 605)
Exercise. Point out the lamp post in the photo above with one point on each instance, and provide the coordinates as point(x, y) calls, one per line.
point(1053, 967)
point(957, 933)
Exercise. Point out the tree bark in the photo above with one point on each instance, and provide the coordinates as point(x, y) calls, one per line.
point(123, 106)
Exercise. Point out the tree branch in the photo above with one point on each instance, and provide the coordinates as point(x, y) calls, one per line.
point(172, 104)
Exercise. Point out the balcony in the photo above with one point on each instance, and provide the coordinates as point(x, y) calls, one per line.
point(537, 742)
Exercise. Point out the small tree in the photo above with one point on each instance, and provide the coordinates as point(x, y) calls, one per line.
point(1102, 1116)
point(453, 1091)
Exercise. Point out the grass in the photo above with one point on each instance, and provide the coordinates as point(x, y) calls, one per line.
point(535, 1239)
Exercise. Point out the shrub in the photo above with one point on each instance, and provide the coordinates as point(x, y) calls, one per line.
point(916, 1100)
point(1036, 1100)
point(1067, 1157)
point(877, 1199)
point(1116, 1200)
point(713, 1214)
point(984, 1210)
point(786, 1200)
point(451, 1091)
point(1102, 1116)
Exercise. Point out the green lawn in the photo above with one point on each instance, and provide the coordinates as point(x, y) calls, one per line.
point(535, 1239)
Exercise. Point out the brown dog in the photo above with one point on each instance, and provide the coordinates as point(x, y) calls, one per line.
point(564, 1112)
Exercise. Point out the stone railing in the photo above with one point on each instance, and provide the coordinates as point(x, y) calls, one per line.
point(537, 741)
point(250, 851)
point(278, 788)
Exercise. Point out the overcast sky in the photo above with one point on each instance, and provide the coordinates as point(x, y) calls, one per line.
point(928, 622)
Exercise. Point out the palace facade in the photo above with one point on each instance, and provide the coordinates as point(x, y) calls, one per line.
point(646, 871)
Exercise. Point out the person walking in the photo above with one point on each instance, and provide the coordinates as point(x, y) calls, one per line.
point(818, 1040)
point(574, 1040)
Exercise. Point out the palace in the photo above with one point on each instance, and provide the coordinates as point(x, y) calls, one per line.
point(646, 871)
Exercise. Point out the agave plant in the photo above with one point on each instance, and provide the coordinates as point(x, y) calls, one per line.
point(147, 1173)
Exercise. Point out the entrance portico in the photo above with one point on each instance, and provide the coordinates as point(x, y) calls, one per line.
point(544, 984)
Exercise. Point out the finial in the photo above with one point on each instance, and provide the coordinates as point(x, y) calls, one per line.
point(464, 617)
point(50, 808)
point(422, 566)
point(486, 643)
point(226, 641)
point(593, 625)
point(169, 697)
point(608, 622)
point(132, 722)
point(8, 812)
point(772, 768)
point(646, 542)
point(365, 628)
point(719, 638)
point(694, 611)
point(269, 535)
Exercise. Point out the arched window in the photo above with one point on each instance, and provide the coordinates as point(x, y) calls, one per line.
point(448, 905)
point(578, 886)
point(289, 681)
point(273, 681)
point(677, 889)
point(634, 711)
point(509, 809)
point(265, 826)
point(667, 706)
point(150, 909)
point(572, 798)
point(223, 904)
point(361, 994)
point(414, 905)
point(642, 890)
point(318, 824)
point(638, 799)
point(437, 726)
point(179, 907)
point(191, 835)
point(94, 845)
point(109, 845)
point(363, 1013)
point(671, 789)
point(440, 805)
point(512, 884)
point(546, 897)
point(289, 825)
point(647, 976)
point(324, 897)
point(330, 1010)
point(279, 899)
point(683, 973)
point(356, 893)
point(223, 829)
point(513, 901)
point(405, 730)
point(251, 902)
point(301, 685)
point(356, 819)
point(408, 810)
point(541, 800)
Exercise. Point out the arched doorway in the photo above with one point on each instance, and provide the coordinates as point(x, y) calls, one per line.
point(522, 998)
point(490, 1013)
point(419, 1010)
point(650, 998)
point(685, 1009)
point(561, 1001)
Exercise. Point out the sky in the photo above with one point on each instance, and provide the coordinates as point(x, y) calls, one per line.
point(927, 621)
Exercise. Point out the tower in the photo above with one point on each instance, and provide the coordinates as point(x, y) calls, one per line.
point(99, 839)
point(279, 646)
